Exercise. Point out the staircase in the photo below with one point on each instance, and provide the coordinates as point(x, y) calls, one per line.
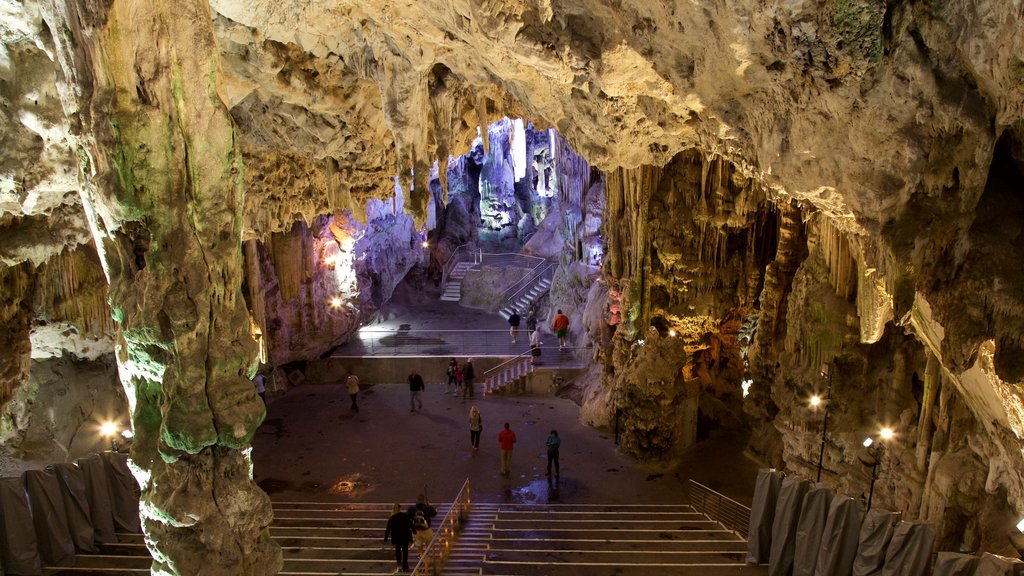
point(571, 539)
point(509, 377)
point(315, 538)
point(525, 298)
point(453, 289)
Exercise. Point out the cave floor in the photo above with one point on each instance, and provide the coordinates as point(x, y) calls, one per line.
point(312, 447)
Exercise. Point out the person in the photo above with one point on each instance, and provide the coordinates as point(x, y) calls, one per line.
point(423, 507)
point(468, 374)
point(531, 320)
point(352, 387)
point(415, 387)
point(507, 439)
point(260, 382)
point(453, 381)
point(513, 321)
point(554, 443)
point(422, 534)
point(476, 425)
point(399, 528)
point(560, 325)
point(458, 379)
point(535, 345)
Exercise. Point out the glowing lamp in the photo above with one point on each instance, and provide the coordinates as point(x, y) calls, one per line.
point(746, 384)
point(815, 401)
point(868, 442)
point(1020, 525)
point(885, 433)
point(425, 244)
point(672, 333)
point(127, 434)
point(108, 429)
point(336, 302)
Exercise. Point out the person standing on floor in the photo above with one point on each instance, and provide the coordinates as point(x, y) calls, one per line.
point(415, 387)
point(513, 322)
point(352, 387)
point(554, 443)
point(468, 374)
point(560, 325)
point(399, 529)
point(453, 380)
point(535, 345)
point(507, 439)
point(260, 382)
point(476, 425)
point(531, 320)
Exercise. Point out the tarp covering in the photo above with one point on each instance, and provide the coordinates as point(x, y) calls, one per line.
point(124, 493)
point(53, 538)
point(839, 540)
point(76, 505)
point(910, 550)
point(94, 471)
point(18, 544)
point(875, 533)
point(992, 565)
point(787, 514)
point(813, 514)
point(954, 564)
point(762, 515)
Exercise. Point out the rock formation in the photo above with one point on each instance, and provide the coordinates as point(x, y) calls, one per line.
point(841, 174)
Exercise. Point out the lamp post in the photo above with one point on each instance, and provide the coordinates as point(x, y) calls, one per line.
point(826, 372)
point(872, 456)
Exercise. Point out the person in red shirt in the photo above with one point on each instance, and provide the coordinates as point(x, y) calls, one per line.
point(560, 326)
point(507, 438)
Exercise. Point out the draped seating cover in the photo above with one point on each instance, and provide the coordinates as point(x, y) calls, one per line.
point(762, 515)
point(992, 565)
point(53, 539)
point(18, 546)
point(124, 493)
point(875, 533)
point(94, 472)
point(813, 514)
point(787, 514)
point(955, 564)
point(910, 550)
point(76, 505)
point(840, 537)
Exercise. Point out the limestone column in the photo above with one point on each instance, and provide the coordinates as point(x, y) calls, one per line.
point(163, 191)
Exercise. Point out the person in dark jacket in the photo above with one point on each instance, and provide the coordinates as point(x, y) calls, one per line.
point(421, 506)
point(513, 322)
point(399, 529)
point(468, 374)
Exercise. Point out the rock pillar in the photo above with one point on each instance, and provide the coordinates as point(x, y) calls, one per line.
point(163, 191)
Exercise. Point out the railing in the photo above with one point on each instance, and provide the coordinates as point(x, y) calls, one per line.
point(505, 364)
point(384, 342)
point(433, 557)
point(720, 508)
point(463, 253)
point(453, 260)
point(526, 283)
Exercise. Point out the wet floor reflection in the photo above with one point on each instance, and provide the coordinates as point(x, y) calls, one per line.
point(543, 490)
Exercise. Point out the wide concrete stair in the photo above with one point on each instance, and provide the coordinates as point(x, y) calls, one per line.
point(316, 538)
point(453, 289)
point(595, 539)
point(509, 377)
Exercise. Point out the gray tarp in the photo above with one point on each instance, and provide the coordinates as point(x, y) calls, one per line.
point(18, 543)
point(910, 550)
point(875, 533)
point(992, 565)
point(813, 514)
point(839, 539)
point(954, 564)
point(762, 515)
point(94, 471)
point(124, 493)
point(787, 514)
point(49, 518)
point(76, 505)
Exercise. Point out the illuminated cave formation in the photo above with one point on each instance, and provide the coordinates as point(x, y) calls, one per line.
point(755, 190)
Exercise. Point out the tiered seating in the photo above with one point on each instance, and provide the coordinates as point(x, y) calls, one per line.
point(315, 538)
point(553, 539)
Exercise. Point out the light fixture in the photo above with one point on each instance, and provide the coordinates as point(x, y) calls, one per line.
point(815, 401)
point(127, 434)
point(886, 433)
point(110, 430)
point(746, 384)
point(872, 456)
point(868, 442)
point(336, 302)
point(640, 343)
point(425, 244)
point(672, 333)
point(826, 372)
point(1020, 525)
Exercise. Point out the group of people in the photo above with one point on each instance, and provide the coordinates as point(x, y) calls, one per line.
point(412, 525)
point(460, 378)
point(559, 325)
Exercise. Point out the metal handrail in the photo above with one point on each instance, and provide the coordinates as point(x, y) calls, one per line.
point(457, 257)
point(450, 265)
point(526, 282)
point(433, 557)
point(720, 508)
point(509, 361)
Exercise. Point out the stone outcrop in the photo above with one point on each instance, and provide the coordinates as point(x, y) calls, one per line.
point(844, 170)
